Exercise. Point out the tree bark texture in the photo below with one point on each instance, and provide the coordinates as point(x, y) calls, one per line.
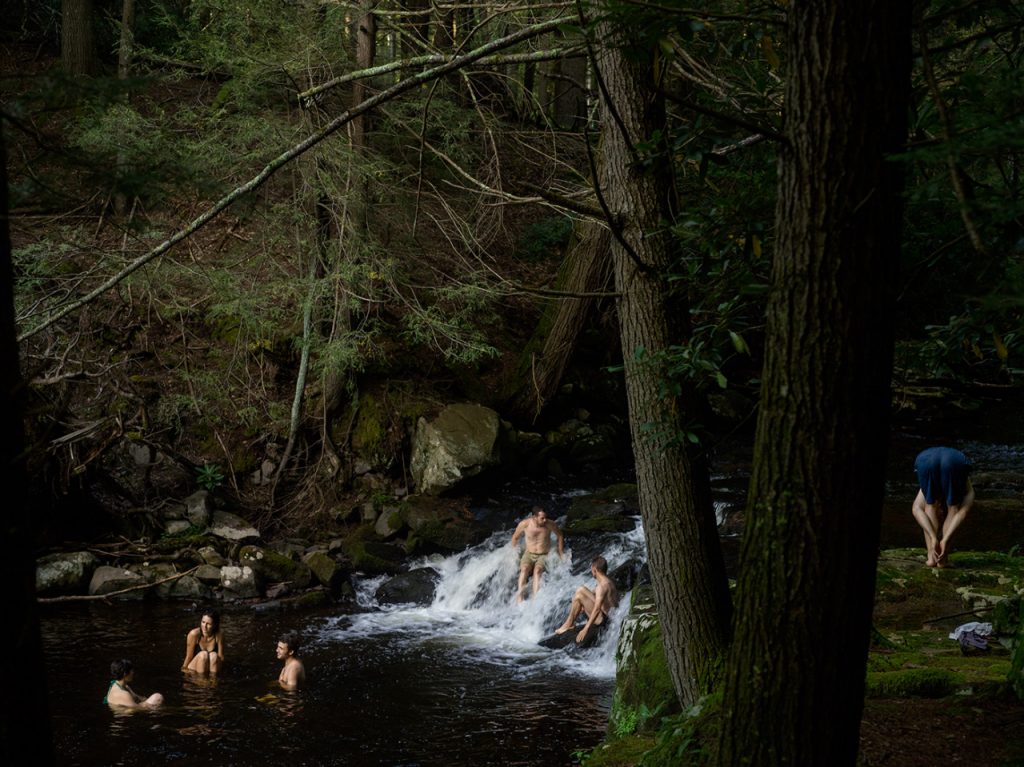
point(77, 47)
point(684, 553)
point(585, 269)
point(25, 736)
point(795, 677)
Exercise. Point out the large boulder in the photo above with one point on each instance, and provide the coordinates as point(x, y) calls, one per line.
point(199, 508)
point(231, 527)
point(369, 555)
point(461, 442)
point(612, 510)
point(108, 580)
point(239, 582)
point(643, 684)
point(414, 587)
point(437, 525)
point(272, 567)
point(326, 569)
point(59, 574)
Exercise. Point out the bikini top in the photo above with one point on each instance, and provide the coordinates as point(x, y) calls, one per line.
point(215, 647)
point(112, 683)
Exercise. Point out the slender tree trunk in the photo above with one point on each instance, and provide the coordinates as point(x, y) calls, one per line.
point(77, 48)
point(795, 679)
point(366, 52)
point(124, 66)
point(585, 269)
point(570, 107)
point(684, 552)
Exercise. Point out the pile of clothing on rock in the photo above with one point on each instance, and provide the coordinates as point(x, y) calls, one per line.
point(973, 637)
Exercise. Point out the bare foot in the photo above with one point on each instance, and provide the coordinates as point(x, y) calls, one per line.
point(562, 629)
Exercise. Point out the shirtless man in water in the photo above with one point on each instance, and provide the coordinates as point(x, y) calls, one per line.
point(293, 673)
point(538, 529)
point(596, 604)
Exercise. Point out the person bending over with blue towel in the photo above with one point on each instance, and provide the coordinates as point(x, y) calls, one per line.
point(943, 500)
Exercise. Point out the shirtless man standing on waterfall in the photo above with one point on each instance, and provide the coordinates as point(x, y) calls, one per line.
point(538, 529)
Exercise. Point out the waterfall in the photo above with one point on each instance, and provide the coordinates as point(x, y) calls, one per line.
point(474, 611)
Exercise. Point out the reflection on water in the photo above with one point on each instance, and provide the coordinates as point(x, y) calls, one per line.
point(459, 682)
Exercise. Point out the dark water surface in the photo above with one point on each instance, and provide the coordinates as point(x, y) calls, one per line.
point(378, 700)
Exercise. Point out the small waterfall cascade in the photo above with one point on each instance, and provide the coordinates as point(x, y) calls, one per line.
point(475, 612)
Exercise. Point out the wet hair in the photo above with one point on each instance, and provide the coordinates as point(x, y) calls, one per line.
point(600, 564)
point(537, 510)
point(214, 616)
point(292, 640)
point(119, 669)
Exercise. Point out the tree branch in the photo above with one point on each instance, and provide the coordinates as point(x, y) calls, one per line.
point(290, 154)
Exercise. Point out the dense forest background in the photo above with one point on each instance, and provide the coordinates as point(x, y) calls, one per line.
point(263, 238)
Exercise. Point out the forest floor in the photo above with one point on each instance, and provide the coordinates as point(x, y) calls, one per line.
point(975, 719)
point(927, 703)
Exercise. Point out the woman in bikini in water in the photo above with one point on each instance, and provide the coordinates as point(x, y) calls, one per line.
point(204, 646)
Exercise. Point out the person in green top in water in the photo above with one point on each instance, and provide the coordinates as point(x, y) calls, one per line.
point(120, 695)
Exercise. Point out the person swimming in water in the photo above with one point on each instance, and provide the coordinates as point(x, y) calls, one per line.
point(204, 646)
point(293, 673)
point(120, 695)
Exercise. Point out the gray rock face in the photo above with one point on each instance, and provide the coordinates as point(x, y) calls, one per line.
point(198, 508)
point(188, 587)
point(60, 574)
point(415, 587)
point(239, 582)
point(232, 528)
point(461, 442)
point(272, 567)
point(106, 580)
point(326, 570)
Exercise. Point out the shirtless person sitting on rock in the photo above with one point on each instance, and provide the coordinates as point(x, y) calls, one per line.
point(538, 529)
point(596, 604)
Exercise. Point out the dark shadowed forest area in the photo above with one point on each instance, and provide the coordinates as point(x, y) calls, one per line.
point(306, 295)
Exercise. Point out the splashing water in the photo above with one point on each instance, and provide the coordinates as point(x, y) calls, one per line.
point(474, 611)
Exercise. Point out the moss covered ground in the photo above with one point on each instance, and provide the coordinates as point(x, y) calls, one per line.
point(926, 701)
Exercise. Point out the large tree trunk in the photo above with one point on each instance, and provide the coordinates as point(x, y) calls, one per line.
point(25, 725)
point(684, 553)
point(795, 678)
point(77, 49)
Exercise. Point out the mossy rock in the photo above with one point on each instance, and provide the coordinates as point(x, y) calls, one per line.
point(613, 509)
point(913, 683)
point(368, 555)
point(643, 684)
point(274, 567)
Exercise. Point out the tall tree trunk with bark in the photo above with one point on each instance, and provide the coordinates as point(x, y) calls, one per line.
point(586, 269)
point(795, 678)
point(25, 724)
point(77, 46)
point(366, 54)
point(124, 67)
point(684, 552)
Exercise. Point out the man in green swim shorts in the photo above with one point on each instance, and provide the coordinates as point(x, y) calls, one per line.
point(538, 530)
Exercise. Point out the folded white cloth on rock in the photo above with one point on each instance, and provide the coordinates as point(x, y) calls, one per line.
point(981, 629)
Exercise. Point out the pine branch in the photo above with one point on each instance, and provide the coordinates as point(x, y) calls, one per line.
point(296, 151)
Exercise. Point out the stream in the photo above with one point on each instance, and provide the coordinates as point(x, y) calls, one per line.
point(459, 682)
